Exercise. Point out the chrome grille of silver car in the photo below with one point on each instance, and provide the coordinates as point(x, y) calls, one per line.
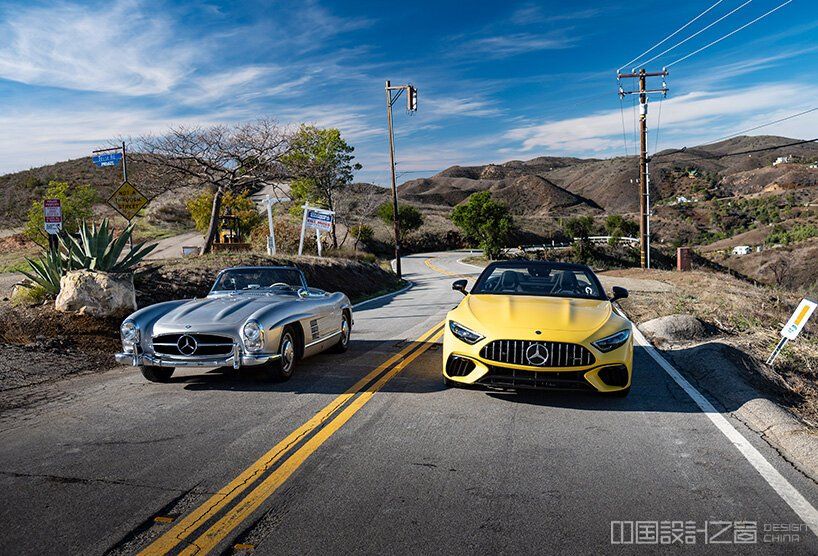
point(206, 345)
point(560, 354)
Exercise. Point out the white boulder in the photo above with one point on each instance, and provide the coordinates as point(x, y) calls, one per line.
point(97, 294)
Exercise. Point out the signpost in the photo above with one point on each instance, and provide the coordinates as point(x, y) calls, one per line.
point(320, 220)
point(794, 326)
point(271, 239)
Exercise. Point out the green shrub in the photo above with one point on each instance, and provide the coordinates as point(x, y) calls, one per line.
point(240, 205)
point(799, 232)
point(77, 204)
point(485, 222)
point(409, 218)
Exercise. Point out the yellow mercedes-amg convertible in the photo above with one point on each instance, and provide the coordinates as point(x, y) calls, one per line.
point(538, 324)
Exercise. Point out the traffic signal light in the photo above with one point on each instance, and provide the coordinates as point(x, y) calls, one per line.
point(411, 99)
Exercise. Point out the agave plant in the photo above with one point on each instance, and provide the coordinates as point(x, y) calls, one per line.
point(46, 271)
point(97, 249)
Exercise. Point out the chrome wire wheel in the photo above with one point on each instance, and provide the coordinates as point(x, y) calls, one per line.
point(344, 331)
point(287, 352)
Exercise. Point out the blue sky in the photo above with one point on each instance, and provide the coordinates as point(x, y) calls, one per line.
point(496, 80)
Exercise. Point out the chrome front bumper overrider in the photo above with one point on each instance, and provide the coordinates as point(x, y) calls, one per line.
point(236, 360)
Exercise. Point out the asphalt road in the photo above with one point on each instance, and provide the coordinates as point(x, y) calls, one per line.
point(111, 463)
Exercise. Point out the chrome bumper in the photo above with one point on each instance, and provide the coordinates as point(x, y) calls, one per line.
point(236, 360)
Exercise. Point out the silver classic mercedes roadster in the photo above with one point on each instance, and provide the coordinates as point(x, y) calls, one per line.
point(253, 316)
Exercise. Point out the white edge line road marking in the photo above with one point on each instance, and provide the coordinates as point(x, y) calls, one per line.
point(384, 296)
point(782, 486)
point(461, 261)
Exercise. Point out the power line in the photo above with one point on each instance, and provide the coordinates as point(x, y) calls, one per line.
point(658, 124)
point(751, 151)
point(743, 131)
point(624, 134)
point(731, 33)
point(697, 33)
point(674, 33)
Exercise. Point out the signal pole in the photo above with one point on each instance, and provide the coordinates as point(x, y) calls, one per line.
point(644, 202)
point(411, 106)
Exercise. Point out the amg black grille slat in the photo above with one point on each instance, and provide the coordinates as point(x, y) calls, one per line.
point(502, 377)
point(560, 354)
point(459, 366)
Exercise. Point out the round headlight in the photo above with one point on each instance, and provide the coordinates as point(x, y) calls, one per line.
point(252, 332)
point(129, 331)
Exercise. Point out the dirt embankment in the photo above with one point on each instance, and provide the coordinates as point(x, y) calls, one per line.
point(38, 344)
point(746, 321)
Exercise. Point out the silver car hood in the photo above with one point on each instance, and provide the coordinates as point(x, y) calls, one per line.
point(218, 312)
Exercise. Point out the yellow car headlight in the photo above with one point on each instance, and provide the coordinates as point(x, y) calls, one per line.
point(610, 343)
point(464, 334)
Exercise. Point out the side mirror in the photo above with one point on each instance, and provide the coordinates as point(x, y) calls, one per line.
point(619, 293)
point(460, 285)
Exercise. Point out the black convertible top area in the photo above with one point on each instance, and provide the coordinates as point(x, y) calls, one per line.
point(539, 278)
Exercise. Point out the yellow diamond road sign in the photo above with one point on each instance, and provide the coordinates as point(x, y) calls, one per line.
point(127, 200)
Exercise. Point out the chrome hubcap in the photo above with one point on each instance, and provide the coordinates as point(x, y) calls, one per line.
point(287, 353)
point(344, 331)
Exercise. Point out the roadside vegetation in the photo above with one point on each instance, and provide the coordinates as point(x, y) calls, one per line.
point(748, 319)
point(485, 223)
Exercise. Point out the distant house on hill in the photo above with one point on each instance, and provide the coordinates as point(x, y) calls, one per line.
point(783, 160)
point(741, 250)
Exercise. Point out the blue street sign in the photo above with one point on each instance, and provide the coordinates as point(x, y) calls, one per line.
point(107, 159)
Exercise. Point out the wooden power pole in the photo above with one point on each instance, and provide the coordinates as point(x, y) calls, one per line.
point(411, 106)
point(644, 205)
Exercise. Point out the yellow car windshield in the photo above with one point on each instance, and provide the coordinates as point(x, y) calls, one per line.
point(539, 278)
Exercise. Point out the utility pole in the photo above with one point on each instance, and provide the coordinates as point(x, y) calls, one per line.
point(644, 201)
point(411, 106)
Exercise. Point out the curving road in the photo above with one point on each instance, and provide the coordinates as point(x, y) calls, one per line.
point(366, 452)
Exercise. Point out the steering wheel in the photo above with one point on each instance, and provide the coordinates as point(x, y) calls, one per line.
point(280, 284)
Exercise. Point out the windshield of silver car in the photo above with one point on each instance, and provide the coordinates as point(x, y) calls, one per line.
point(539, 278)
point(258, 278)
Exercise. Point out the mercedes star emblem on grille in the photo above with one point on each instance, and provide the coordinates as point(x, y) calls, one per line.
point(187, 345)
point(537, 355)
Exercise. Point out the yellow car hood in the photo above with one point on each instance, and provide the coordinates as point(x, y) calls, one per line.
point(499, 313)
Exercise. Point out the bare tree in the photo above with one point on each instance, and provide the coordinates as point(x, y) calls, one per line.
point(356, 205)
point(780, 268)
point(222, 158)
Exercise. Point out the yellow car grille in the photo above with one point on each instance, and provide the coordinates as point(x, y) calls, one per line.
point(538, 354)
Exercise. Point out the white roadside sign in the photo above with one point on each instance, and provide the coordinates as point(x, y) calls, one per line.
point(319, 219)
point(52, 213)
point(798, 319)
point(794, 326)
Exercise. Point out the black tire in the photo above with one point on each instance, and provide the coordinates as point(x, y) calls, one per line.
point(343, 341)
point(449, 383)
point(157, 374)
point(282, 368)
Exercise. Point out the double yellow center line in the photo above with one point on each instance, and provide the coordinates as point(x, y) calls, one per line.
point(262, 484)
point(433, 266)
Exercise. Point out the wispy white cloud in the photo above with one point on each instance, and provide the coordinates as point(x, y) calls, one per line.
point(120, 49)
point(535, 14)
point(456, 106)
point(697, 116)
point(502, 46)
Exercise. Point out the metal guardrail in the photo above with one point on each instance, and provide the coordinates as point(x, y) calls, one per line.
point(597, 240)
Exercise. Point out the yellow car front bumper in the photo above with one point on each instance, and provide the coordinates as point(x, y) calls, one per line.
point(468, 364)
